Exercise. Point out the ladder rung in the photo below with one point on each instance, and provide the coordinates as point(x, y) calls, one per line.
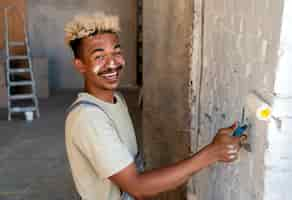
point(22, 109)
point(24, 57)
point(16, 43)
point(19, 70)
point(19, 83)
point(18, 57)
point(22, 96)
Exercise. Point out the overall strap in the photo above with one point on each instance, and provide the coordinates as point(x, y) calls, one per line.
point(138, 158)
point(84, 102)
point(89, 103)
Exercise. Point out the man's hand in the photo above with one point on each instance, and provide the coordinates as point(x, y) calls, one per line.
point(148, 184)
point(224, 146)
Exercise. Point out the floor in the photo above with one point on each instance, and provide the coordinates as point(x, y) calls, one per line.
point(33, 163)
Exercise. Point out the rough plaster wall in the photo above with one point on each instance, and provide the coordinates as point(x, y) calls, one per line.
point(46, 23)
point(240, 43)
point(195, 88)
point(167, 34)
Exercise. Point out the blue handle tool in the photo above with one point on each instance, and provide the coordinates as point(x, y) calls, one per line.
point(240, 130)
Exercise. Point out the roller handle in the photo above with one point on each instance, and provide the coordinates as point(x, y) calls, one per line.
point(240, 130)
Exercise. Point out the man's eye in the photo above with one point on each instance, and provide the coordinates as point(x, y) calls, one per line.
point(100, 57)
point(117, 53)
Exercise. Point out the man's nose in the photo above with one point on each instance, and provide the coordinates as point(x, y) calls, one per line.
point(111, 63)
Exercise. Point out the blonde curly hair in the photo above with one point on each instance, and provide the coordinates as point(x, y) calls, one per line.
point(86, 24)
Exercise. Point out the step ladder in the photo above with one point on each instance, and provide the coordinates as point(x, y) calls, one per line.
point(19, 101)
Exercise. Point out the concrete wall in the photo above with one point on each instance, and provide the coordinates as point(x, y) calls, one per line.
point(167, 35)
point(46, 23)
point(240, 47)
point(235, 50)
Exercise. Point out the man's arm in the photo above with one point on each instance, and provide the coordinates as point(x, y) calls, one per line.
point(148, 184)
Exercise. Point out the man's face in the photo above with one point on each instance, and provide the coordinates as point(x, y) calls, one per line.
point(102, 60)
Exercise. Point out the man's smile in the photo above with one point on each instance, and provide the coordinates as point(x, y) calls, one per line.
point(111, 75)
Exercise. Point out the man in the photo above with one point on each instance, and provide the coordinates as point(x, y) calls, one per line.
point(100, 141)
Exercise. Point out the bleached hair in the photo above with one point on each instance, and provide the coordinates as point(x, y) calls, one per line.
point(86, 24)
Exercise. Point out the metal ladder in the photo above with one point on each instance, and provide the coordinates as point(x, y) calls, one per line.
point(16, 99)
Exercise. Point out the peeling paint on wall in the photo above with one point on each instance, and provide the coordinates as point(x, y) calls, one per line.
point(240, 45)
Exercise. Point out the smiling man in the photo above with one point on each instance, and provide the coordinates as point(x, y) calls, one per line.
point(100, 139)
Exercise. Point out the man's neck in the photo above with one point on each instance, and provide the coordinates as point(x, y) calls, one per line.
point(105, 95)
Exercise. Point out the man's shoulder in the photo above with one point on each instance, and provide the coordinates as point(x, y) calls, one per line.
point(86, 112)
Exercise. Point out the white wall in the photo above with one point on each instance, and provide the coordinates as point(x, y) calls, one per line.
point(278, 157)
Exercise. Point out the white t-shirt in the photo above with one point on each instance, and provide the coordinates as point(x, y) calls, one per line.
point(95, 149)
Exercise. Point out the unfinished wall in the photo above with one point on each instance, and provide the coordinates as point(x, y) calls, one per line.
point(240, 46)
point(167, 40)
point(46, 24)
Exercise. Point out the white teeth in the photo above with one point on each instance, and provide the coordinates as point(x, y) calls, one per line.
point(110, 76)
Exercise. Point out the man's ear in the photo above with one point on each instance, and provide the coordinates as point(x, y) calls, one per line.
point(79, 65)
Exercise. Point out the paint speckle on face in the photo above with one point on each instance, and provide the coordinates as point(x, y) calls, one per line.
point(112, 65)
point(96, 69)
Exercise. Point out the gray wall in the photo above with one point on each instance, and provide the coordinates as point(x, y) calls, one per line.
point(240, 44)
point(46, 23)
point(166, 115)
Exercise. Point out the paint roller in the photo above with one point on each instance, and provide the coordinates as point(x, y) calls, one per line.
point(256, 108)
